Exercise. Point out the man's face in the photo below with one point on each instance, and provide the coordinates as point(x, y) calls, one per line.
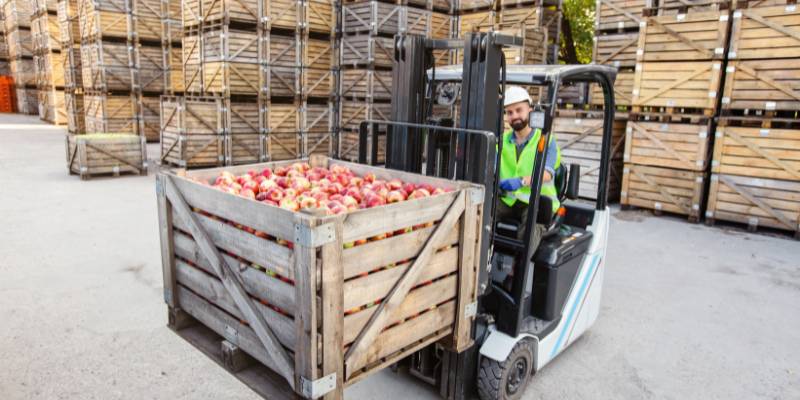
point(517, 115)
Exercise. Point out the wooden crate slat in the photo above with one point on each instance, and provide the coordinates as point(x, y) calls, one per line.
point(366, 84)
point(366, 50)
point(617, 15)
point(89, 156)
point(618, 50)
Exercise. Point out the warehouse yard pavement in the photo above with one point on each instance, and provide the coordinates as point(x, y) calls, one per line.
point(689, 312)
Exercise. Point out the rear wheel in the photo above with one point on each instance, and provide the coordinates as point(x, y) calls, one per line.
point(506, 380)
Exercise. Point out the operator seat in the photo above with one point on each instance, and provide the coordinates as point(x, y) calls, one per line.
point(510, 226)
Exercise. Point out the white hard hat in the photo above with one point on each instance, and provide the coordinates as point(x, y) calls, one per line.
point(515, 94)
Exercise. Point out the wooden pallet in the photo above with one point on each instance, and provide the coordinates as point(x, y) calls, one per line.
point(756, 202)
point(690, 84)
point(92, 155)
point(617, 50)
point(678, 146)
point(20, 43)
point(757, 152)
point(623, 90)
point(367, 51)
point(580, 140)
point(698, 36)
point(771, 84)
point(350, 346)
point(663, 189)
point(17, 14)
point(366, 84)
point(619, 15)
point(108, 113)
point(51, 106)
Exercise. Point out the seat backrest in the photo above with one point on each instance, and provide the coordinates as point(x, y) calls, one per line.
point(561, 180)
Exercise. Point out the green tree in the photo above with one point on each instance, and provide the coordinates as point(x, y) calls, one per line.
point(579, 14)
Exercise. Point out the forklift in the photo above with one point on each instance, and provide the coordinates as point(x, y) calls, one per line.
point(555, 289)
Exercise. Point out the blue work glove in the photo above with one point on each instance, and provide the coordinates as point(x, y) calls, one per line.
point(511, 184)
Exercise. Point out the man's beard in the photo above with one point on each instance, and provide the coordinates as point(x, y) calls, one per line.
point(518, 124)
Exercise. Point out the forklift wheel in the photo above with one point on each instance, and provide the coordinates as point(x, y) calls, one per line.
point(506, 380)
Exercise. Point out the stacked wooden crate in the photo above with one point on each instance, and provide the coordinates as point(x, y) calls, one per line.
point(109, 54)
point(756, 161)
point(48, 60)
point(675, 96)
point(367, 52)
point(527, 14)
point(69, 27)
point(17, 16)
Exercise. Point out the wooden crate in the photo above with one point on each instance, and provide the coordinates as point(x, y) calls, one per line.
point(617, 50)
point(672, 145)
point(663, 189)
point(320, 16)
point(353, 112)
point(318, 83)
point(366, 84)
point(697, 36)
point(318, 53)
point(623, 90)
point(20, 43)
point(90, 155)
point(197, 12)
point(581, 142)
point(45, 6)
point(619, 15)
point(152, 69)
point(45, 33)
point(73, 67)
point(106, 113)
point(150, 114)
point(534, 44)
point(245, 138)
point(285, 14)
point(482, 21)
point(283, 82)
point(283, 145)
point(24, 72)
point(349, 344)
point(757, 202)
point(367, 51)
point(677, 7)
point(349, 146)
point(547, 17)
point(230, 62)
point(148, 18)
point(176, 79)
point(757, 152)
point(69, 27)
point(73, 105)
point(192, 131)
point(283, 50)
point(105, 19)
point(317, 127)
point(771, 84)
point(765, 32)
point(51, 106)
point(282, 117)
point(49, 70)
point(27, 99)
point(17, 14)
point(690, 84)
point(373, 17)
point(107, 66)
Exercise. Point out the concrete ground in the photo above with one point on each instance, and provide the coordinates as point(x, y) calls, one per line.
point(689, 312)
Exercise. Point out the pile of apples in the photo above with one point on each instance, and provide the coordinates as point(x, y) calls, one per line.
point(334, 190)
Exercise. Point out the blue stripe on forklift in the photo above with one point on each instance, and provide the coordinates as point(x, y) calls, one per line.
point(578, 300)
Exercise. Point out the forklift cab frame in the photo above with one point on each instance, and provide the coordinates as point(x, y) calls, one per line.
point(417, 141)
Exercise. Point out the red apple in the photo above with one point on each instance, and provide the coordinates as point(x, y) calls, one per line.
point(374, 200)
point(350, 202)
point(409, 187)
point(395, 184)
point(395, 196)
point(270, 202)
point(289, 204)
point(281, 171)
point(354, 193)
point(275, 194)
point(261, 196)
point(338, 169)
point(251, 185)
point(320, 196)
point(266, 185)
point(336, 207)
point(300, 184)
point(266, 172)
point(253, 173)
point(437, 191)
point(307, 202)
point(249, 193)
point(290, 193)
point(282, 182)
point(336, 197)
point(419, 193)
point(369, 177)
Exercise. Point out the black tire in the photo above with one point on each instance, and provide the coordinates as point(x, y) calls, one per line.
point(506, 380)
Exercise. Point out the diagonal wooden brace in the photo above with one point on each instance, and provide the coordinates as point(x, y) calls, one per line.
point(233, 284)
point(357, 354)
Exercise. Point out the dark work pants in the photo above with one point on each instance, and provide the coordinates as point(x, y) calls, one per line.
point(519, 212)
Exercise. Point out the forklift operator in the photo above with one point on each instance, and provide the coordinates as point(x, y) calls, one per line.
point(516, 163)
